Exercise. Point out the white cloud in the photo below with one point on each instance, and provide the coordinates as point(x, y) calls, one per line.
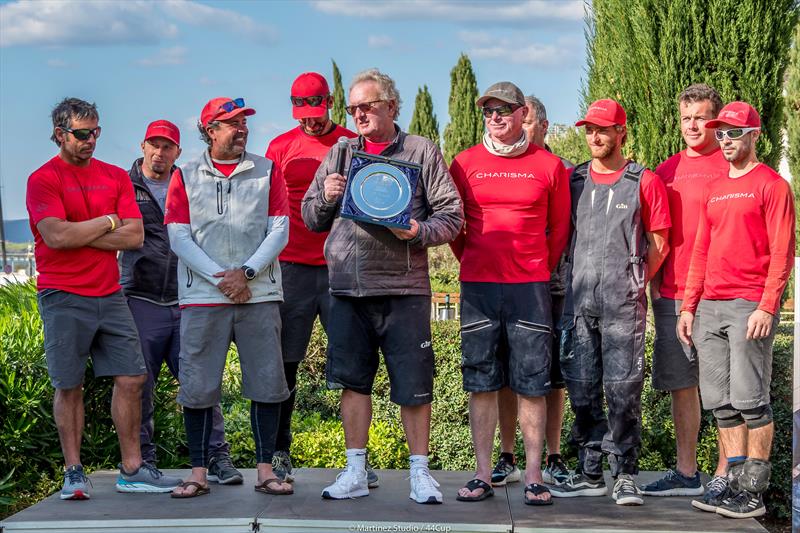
point(112, 22)
point(521, 12)
point(175, 55)
point(57, 63)
point(516, 49)
point(379, 41)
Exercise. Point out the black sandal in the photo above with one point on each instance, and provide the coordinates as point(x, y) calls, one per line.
point(473, 484)
point(536, 490)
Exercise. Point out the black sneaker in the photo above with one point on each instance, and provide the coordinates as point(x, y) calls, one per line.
point(282, 466)
point(716, 491)
point(579, 484)
point(556, 472)
point(745, 504)
point(505, 471)
point(674, 484)
point(221, 470)
point(626, 492)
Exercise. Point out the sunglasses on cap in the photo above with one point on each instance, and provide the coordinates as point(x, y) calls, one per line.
point(366, 107)
point(233, 104)
point(313, 101)
point(502, 110)
point(733, 133)
point(83, 134)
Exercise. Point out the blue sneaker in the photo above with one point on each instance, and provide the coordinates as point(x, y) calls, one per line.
point(674, 484)
point(75, 484)
point(147, 478)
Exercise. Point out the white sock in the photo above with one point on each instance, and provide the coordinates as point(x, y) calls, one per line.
point(418, 461)
point(356, 458)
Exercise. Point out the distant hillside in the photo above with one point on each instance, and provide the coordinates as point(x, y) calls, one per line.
point(18, 230)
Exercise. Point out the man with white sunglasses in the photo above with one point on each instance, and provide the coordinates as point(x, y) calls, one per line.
point(740, 265)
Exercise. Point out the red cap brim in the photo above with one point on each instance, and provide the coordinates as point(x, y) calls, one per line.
point(307, 111)
point(716, 123)
point(225, 116)
point(596, 121)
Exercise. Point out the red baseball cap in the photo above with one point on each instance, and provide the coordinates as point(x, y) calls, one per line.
point(606, 112)
point(740, 114)
point(165, 129)
point(213, 110)
point(310, 84)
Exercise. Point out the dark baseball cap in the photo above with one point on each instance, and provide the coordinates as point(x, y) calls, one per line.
point(504, 91)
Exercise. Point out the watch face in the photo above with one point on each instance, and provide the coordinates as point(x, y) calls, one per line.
point(249, 272)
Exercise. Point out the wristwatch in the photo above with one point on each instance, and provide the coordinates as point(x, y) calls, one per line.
point(249, 272)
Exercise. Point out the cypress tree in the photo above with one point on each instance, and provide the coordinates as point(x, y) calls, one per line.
point(466, 122)
point(644, 53)
point(423, 121)
point(793, 124)
point(338, 114)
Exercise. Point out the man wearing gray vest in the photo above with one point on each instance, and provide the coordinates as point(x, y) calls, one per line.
point(621, 224)
point(227, 216)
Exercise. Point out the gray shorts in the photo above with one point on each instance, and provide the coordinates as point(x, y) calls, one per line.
point(206, 335)
point(76, 327)
point(305, 296)
point(674, 363)
point(733, 370)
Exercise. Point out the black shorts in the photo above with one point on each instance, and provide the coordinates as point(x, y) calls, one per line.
point(506, 337)
point(305, 296)
point(400, 326)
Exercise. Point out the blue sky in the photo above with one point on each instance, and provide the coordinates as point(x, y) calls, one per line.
point(143, 60)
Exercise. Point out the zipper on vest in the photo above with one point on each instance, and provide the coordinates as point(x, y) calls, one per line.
point(271, 272)
point(219, 198)
point(189, 277)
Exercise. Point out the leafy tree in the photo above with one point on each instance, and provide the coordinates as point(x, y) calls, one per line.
point(423, 121)
point(793, 123)
point(571, 145)
point(338, 114)
point(643, 53)
point(466, 123)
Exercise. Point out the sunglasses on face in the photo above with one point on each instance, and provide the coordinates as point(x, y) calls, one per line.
point(366, 107)
point(313, 101)
point(233, 104)
point(501, 110)
point(732, 134)
point(83, 134)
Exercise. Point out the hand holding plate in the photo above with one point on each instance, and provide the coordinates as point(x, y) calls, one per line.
point(334, 187)
point(406, 234)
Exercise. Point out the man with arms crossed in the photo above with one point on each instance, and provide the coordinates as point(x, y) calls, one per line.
point(82, 211)
point(505, 470)
point(380, 289)
point(621, 223)
point(149, 279)
point(685, 175)
point(740, 264)
point(516, 205)
point(227, 217)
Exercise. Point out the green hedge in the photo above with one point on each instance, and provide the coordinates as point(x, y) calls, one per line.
point(32, 450)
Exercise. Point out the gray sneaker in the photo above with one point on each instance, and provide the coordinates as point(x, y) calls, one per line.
point(717, 490)
point(282, 466)
point(147, 478)
point(372, 477)
point(222, 471)
point(75, 484)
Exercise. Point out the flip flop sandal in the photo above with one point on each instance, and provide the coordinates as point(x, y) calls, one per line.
point(536, 490)
point(473, 484)
point(264, 487)
point(199, 490)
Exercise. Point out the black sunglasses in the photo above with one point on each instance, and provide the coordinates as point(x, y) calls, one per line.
point(313, 101)
point(502, 110)
point(233, 104)
point(83, 134)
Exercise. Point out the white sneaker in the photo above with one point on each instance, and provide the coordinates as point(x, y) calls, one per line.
point(424, 487)
point(349, 484)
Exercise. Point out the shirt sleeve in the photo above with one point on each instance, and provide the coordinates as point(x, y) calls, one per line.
point(126, 199)
point(779, 216)
point(43, 197)
point(695, 279)
point(457, 172)
point(655, 203)
point(558, 217)
point(177, 205)
point(278, 198)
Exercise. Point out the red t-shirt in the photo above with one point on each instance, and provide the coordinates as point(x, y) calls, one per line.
point(517, 215)
point(745, 241)
point(75, 194)
point(652, 197)
point(298, 155)
point(375, 148)
point(226, 168)
point(685, 178)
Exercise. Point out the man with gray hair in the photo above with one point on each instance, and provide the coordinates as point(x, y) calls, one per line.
point(380, 289)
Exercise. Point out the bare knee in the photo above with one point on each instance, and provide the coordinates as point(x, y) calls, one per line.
point(129, 384)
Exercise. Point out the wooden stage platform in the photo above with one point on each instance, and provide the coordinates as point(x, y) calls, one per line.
point(387, 509)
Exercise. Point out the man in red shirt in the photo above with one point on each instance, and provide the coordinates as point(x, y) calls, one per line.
point(82, 211)
point(685, 174)
point(740, 264)
point(298, 153)
point(621, 224)
point(516, 204)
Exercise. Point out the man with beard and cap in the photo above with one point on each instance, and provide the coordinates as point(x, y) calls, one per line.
point(741, 262)
point(516, 209)
point(621, 225)
point(227, 217)
point(298, 153)
point(380, 286)
point(82, 212)
point(149, 279)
